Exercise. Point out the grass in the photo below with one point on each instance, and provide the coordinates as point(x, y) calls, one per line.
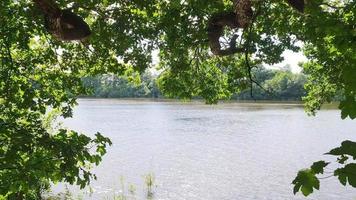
point(125, 193)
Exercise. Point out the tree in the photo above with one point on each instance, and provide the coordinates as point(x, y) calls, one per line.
point(126, 86)
point(39, 71)
point(275, 85)
point(286, 85)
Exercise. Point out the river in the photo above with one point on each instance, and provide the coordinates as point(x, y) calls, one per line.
point(229, 151)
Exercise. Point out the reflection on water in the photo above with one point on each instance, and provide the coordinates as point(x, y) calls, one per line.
point(201, 152)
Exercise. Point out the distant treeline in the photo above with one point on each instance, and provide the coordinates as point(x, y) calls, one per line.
point(113, 86)
point(275, 85)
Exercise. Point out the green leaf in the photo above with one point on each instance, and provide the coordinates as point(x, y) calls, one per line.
point(342, 159)
point(341, 176)
point(347, 173)
point(350, 172)
point(306, 181)
point(347, 148)
point(296, 188)
point(306, 190)
point(318, 167)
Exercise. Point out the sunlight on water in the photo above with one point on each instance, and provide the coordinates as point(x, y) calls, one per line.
point(201, 152)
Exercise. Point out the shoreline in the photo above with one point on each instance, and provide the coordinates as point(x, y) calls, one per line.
point(201, 102)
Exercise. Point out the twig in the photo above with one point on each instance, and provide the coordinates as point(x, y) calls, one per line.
point(247, 62)
point(326, 177)
point(246, 52)
point(249, 74)
point(9, 72)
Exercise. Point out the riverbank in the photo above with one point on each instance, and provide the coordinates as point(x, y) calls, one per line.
point(332, 105)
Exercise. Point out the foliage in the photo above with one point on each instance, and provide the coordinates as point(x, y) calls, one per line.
point(33, 80)
point(306, 180)
point(287, 85)
point(276, 85)
point(330, 35)
point(31, 156)
point(150, 183)
point(113, 86)
point(38, 73)
point(330, 46)
point(283, 84)
point(208, 82)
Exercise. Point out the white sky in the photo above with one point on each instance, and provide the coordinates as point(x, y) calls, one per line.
point(290, 58)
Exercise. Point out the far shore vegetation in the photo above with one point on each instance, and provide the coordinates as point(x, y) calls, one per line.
point(273, 85)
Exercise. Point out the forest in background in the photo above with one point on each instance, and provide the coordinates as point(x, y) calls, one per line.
point(277, 84)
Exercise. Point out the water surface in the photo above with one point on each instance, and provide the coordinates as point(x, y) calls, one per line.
point(200, 152)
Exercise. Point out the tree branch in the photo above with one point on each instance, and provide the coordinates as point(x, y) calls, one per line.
point(247, 61)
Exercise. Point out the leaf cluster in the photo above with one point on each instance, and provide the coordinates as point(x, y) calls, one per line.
point(307, 179)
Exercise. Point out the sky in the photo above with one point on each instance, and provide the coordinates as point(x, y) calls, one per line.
point(290, 58)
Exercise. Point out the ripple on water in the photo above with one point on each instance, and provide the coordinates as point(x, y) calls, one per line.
point(200, 152)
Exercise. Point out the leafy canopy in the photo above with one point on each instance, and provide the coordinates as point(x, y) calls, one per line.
point(39, 73)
